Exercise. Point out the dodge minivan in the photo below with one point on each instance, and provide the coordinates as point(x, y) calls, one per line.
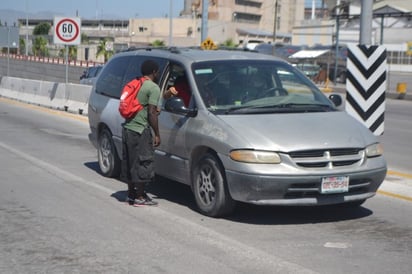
point(255, 130)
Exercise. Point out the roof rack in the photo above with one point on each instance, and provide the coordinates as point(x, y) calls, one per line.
point(149, 48)
point(175, 49)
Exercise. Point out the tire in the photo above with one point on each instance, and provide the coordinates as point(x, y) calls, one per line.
point(107, 156)
point(210, 188)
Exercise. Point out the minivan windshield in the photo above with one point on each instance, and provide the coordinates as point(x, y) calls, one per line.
point(257, 86)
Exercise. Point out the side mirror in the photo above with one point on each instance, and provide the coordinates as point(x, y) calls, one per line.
point(176, 105)
point(336, 99)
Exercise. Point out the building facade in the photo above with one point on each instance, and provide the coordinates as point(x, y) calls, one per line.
point(242, 22)
point(235, 20)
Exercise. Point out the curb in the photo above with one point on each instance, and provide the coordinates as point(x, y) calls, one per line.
point(397, 185)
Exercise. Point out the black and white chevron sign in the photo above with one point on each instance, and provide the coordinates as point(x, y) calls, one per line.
point(366, 85)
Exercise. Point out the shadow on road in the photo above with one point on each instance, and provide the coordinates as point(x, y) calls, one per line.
point(165, 189)
point(282, 215)
point(93, 166)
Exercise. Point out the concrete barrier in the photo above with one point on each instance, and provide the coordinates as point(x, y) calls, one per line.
point(68, 97)
point(78, 97)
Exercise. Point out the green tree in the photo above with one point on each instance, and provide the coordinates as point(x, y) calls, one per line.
point(22, 46)
point(84, 38)
point(158, 43)
point(40, 46)
point(42, 29)
point(102, 50)
point(72, 52)
point(229, 43)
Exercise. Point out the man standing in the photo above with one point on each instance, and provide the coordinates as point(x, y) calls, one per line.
point(138, 141)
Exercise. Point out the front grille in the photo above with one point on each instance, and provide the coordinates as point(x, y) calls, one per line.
point(328, 158)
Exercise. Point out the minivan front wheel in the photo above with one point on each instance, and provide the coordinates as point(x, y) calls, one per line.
point(109, 161)
point(210, 189)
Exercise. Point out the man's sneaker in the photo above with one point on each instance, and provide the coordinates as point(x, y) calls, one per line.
point(132, 202)
point(146, 200)
point(129, 201)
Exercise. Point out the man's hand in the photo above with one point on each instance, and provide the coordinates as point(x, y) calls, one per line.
point(156, 141)
point(153, 122)
point(173, 91)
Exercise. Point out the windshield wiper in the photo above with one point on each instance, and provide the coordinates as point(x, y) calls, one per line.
point(305, 105)
point(235, 109)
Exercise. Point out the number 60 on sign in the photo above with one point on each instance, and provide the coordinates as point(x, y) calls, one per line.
point(67, 31)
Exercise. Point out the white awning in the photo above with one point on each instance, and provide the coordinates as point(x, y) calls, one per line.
point(307, 54)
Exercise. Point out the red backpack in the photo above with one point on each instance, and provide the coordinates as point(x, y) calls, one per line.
point(129, 104)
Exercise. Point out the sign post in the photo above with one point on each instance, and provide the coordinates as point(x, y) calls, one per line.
point(67, 32)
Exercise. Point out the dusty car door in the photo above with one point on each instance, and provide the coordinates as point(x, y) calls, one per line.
point(172, 156)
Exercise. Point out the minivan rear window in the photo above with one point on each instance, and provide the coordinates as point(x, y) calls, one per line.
point(121, 70)
point(110, 81)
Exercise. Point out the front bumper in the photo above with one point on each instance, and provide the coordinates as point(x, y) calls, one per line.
point(303, 190)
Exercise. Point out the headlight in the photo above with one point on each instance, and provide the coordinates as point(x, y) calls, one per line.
point(374, 150)
point(255, 156)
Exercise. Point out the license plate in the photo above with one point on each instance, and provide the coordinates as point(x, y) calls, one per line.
point(338, 184)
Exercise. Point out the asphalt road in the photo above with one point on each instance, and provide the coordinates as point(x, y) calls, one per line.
point(59, 215)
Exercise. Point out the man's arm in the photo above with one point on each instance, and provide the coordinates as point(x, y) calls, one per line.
point(153, 122)
point(170, 92)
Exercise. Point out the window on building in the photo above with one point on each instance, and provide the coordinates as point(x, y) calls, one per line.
point(246, 17)
point(249, 3)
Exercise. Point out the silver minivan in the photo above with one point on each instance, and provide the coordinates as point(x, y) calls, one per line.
point(255, 130)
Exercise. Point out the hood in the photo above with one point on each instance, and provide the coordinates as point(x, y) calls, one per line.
point(297, 131)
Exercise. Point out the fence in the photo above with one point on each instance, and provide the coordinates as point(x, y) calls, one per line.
point(51, 60)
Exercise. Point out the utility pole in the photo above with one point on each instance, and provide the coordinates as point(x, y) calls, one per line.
point(335, 70)
point(365, 37)
point(275, 19)
point(313, 10)
point(205, 14)
point(171, 23)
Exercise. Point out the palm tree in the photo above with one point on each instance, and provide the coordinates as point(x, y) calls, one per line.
point(102, 50)
point(72, 52)
point(40, 46)
point(22, 46)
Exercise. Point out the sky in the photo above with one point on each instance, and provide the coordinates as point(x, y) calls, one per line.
point(94, 9)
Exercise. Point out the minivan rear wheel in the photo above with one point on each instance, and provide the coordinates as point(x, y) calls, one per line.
point(210, 188)
point(109, 161)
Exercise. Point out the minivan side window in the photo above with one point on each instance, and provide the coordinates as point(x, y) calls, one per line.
point(177, 77)
point(111, 79)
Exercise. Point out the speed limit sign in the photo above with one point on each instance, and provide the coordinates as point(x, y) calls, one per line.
point(67, 31)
